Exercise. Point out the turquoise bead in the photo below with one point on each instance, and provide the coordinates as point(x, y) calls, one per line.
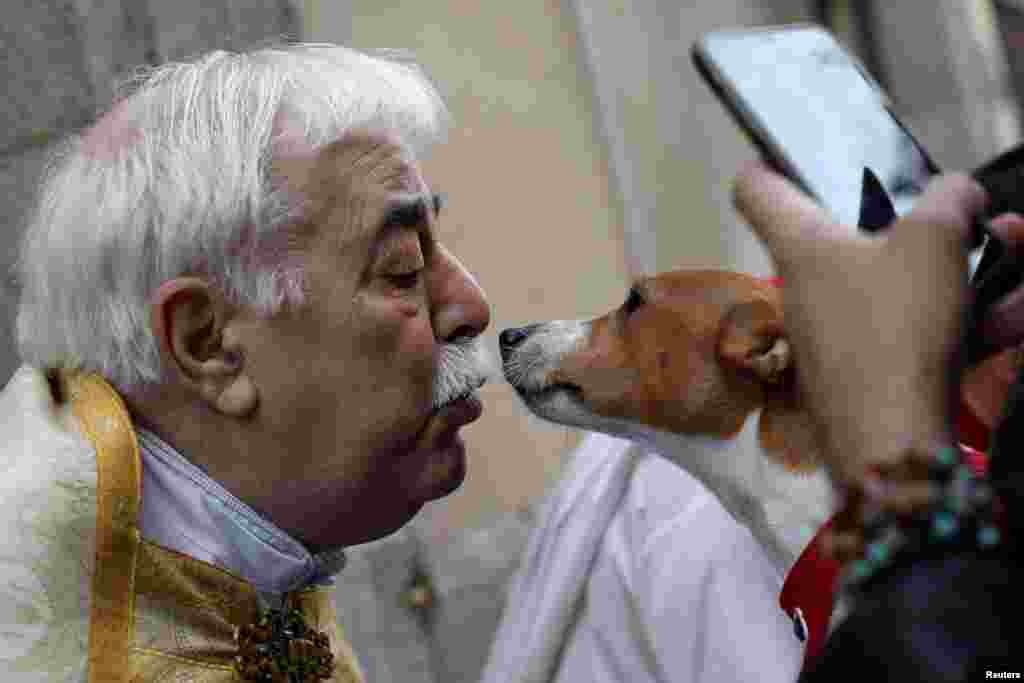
point(947, 456)
point(859, 570)
point(988, 536)
point(944, 525)
point(957, 501)
point(878, 552)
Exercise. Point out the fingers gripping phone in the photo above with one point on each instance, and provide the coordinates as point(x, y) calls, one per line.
point(813, 112)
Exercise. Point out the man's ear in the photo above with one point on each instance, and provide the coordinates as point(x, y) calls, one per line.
point(191, 322)
point(752, 339)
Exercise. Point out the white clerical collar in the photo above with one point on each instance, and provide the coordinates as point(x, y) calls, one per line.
point(183, 509)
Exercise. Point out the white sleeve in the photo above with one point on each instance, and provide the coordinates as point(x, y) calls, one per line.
point(708, 599)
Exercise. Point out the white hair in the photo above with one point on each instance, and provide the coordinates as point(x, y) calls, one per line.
point(180, 182)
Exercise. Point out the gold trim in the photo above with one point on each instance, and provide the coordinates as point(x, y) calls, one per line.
point(105, 422)
point(184, 660)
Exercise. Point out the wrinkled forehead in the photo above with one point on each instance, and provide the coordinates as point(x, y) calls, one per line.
point(359, 173)
point(358, 188)
point(363, 161)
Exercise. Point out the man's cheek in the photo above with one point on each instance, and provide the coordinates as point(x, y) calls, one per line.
point(398, 338)
point(418, 360)
point(376, 329)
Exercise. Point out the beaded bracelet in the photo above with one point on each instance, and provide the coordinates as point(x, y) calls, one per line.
point(961, 514)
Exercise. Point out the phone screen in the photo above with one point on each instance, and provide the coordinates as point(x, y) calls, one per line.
point(802, 97)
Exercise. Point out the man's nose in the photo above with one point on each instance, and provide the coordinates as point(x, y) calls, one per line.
point(461, 308)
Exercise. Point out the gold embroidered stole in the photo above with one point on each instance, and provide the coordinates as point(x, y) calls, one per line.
point(156, 614)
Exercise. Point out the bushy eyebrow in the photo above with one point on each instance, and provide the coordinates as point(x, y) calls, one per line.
point(402, 213)
point(408, 212)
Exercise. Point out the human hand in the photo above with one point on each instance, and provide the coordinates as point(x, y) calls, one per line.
point(873, 318)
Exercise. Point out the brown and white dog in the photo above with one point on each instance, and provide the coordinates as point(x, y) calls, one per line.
point(695, 364)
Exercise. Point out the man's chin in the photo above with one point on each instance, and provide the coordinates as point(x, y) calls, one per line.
point(441, 450)
point(445, 469)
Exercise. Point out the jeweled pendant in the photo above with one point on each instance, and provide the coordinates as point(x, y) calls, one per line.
point(279, 647)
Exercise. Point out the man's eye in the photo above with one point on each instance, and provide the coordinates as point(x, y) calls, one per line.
point(406, 280)
point(633, 302)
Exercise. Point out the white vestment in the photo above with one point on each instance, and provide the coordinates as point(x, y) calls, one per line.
point(635, 572)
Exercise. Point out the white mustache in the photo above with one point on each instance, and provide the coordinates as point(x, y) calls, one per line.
point(464, 365)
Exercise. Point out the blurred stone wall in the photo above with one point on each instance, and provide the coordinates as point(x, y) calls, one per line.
point(947, 73)
point(674, 149)
point(60, 61)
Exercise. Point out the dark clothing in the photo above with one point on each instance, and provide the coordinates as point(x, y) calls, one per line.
point(943, 620)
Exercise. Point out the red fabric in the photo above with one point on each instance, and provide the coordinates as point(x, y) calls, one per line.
point(972, 432)
point(976, 459)
point(811, 586)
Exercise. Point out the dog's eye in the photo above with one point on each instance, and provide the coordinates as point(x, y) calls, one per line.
point(633, 302)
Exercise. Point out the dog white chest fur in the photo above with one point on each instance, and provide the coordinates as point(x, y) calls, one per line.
point(782, 509)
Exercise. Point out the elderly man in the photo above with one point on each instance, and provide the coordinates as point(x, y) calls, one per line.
point(245, 349)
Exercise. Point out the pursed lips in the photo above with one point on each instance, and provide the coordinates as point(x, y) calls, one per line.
point(464, 408)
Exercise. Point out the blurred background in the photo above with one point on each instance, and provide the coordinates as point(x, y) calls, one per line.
point(585, 151)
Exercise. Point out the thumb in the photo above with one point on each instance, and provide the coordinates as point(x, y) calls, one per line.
point(779, 213)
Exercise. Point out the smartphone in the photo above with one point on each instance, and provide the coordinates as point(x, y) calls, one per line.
point(814, 113)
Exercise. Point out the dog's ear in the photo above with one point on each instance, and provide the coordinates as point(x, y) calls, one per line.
point(753, 340)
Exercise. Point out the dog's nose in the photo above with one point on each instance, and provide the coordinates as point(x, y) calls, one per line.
point(514, 336)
